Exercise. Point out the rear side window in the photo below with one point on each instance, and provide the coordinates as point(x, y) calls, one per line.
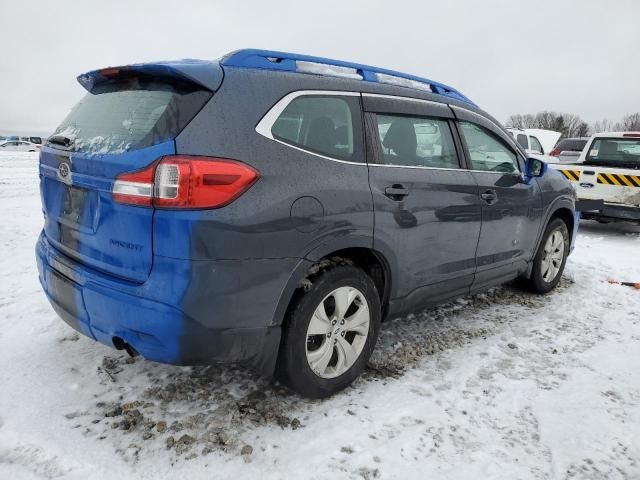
point(486, 151)
point(416, 142)
point(129, 113)
point(522, 140)
point(321, 124)
point(536, 146)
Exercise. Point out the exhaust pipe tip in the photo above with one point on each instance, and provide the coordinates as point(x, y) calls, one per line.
point(120, 344)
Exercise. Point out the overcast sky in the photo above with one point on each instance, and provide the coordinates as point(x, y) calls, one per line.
point(508, 56)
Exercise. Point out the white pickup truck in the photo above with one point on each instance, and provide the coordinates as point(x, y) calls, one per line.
point(606, 177)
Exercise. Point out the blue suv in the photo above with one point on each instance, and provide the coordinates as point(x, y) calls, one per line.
point(272, 209)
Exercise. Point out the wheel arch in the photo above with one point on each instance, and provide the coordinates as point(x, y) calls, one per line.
point(355, 250)
point(563, 209)
point(567, 216)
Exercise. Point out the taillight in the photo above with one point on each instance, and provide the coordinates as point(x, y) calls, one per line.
point(181, 181)
point(555, 152)
point(135, 188)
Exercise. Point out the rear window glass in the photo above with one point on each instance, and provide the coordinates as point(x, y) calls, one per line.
point(623, 152)
point(522, 140)
point(130, 113)
point(536, 147)
point(324, 125)
point(571, 145)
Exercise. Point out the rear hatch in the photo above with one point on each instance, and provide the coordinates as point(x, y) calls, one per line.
point(128, 119)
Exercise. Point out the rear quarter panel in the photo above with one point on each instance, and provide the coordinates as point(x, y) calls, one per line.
point(332, 199)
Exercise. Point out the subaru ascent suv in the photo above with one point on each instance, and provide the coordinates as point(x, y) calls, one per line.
point(271, 209)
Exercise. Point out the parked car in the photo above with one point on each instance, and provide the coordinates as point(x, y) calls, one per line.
point(568, 150)
point(271, 209)
point(608, 170)
point(533, 141)
point(18, 146)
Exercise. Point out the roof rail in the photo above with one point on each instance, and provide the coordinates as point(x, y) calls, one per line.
point(293, 62)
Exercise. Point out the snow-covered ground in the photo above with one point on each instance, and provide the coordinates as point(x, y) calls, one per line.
point(499, 386)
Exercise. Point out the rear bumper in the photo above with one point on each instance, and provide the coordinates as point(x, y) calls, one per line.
point(186, 313)
point(610, 211)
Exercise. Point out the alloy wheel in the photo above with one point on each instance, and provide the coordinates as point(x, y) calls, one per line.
point(552, 256)
point(337, 332)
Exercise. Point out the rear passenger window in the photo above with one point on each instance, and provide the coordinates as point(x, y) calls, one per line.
point(522, 140)
point(487, 152)
point(323, 125)
point(536, 146)
point(416, 142)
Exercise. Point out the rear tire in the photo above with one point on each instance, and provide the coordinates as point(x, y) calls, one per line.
point(329, 333)
point(550, 259)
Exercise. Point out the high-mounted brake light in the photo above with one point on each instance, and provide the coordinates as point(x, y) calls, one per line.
point(632, 134)
point(109, 72)
point(181, 181)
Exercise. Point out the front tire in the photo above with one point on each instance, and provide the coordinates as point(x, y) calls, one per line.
point(551, 258)
point(329, 333)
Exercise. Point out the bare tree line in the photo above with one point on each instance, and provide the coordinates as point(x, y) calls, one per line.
point(572, 125)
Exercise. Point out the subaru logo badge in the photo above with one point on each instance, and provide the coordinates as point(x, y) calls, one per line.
point(586, 185)
point(64, 172)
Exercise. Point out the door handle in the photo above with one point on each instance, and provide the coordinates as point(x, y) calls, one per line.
point(489, 196)
point(396, 192)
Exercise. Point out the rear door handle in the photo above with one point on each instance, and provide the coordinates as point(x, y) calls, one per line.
point(396, 192)
point(489, 196)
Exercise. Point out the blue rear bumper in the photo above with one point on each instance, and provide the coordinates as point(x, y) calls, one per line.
point(185, 313)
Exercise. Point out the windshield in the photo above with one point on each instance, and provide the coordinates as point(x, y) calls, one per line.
point(621, 152)
point(130, 113)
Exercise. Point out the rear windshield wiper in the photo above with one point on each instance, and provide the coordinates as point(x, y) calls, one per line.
point(61, 140)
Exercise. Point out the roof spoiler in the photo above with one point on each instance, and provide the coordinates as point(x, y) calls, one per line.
point(205, 73)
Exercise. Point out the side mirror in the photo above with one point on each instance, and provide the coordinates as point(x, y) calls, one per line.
point(536, 167)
